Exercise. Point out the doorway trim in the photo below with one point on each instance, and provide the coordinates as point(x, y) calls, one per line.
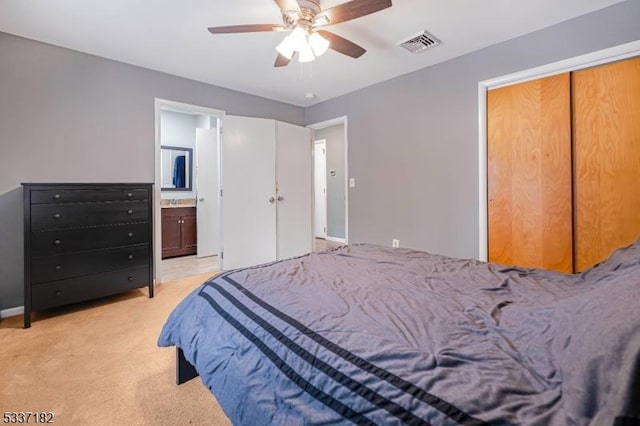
point(321, 125)
point(616, 53)
point(322, 142)
point(166, 104)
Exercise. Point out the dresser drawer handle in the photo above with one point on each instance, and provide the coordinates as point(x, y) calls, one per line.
point(130, 279)
point(56, 197)
point(130, 234)
point(57, 242)
point(58, 268)
point(56, 216)
point(130, 257)
point(58, 293)
point(130, 211)
point(129, 194)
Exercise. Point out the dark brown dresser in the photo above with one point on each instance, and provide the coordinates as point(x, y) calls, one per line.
point(84, 241)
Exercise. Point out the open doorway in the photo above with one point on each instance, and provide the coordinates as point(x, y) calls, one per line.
point(330, 183)
point(186, 207)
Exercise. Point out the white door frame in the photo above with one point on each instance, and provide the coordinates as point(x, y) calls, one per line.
point(599, 57)
point(328, 123)
point(165, 104)
point(326, 194)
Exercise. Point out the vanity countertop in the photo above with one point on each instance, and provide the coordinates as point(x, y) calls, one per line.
point(166, 203)
point(173, 206)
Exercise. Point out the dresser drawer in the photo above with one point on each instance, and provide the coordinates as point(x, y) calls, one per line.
point(53, 196)
point(73, 240)
point(54, 216)
point(58, 293)
point(58, 267)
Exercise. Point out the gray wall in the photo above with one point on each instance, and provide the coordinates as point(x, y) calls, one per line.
point(334, 136)
point(413, 140)
point(178, 129)
point(70, 117)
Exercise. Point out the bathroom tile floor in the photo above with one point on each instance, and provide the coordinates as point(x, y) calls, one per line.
point(180, 267)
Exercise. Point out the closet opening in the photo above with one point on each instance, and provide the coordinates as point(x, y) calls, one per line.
point(591, 60)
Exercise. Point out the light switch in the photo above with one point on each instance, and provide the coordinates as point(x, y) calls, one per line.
point(352, 182)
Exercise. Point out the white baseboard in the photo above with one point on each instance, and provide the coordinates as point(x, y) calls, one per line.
point(12, 312)
point(335, 240)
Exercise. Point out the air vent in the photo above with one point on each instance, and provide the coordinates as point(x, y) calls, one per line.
point(420, 42)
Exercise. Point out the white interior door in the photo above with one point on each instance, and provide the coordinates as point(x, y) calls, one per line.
point(320, 187)
point(207, 191)
point(293, 179)
point(248, 150)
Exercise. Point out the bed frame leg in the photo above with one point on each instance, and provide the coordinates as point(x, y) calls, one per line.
point(184, 370)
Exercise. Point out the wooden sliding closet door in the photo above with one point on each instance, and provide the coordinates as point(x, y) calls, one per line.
point(606, 103)
point(529, 174)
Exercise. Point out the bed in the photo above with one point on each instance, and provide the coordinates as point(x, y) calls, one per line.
point(372, 335)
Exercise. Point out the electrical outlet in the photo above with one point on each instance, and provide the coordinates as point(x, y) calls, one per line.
point(395, 243)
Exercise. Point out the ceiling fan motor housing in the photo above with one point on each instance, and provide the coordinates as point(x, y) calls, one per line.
point(308, 11)
point(311, 5)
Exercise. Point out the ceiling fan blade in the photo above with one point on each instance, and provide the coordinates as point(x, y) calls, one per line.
point(342, 45)
point(282, 61)
point(352, 10)
point(246, 28)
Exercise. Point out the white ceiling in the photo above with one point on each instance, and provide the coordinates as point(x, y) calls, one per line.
point(171, 36)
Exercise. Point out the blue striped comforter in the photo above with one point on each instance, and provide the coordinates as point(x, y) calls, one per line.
point(371, 335)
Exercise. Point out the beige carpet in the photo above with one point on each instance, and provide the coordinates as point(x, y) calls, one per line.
point(98, 363)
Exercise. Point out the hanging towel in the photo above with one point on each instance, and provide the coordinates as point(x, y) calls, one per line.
point(179, 179)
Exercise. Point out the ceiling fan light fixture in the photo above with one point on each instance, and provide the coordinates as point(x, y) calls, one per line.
point(318, 43)
point(306, 54)
point(285, 48)
point(298, 39)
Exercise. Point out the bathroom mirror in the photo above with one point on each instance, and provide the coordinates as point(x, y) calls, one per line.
point(177, 168)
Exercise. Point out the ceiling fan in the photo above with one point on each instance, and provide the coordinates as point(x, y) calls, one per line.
point(306, 20)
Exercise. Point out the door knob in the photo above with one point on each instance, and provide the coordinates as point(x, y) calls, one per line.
point(272, 200)
point(280, 198)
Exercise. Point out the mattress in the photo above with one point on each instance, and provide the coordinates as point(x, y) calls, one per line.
point(372, 335)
